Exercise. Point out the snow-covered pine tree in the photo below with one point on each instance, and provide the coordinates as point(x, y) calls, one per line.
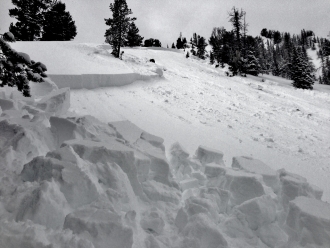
point(119, 25)
point(173, 46)
point(301, 75)
point(30, 18)
point(133, 38)
point(252, 65)
point(58, 24)
point(17, 69)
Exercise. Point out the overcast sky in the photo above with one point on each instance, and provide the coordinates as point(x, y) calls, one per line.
point(165, 19)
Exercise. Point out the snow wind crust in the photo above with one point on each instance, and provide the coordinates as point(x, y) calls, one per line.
point(69, 180)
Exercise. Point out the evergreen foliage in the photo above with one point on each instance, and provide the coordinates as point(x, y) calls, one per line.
point(133, 38)
point(58, 24)
point(152, 43)
point(201, 45)
point(119, 25)
point(30, 18)
point(301, 75)
point(17, 69)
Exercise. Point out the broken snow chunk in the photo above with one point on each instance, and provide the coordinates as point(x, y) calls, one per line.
point(242, 186)
point(106, 152)
point(201, 232)
point(220, 196)
point(153, 140)
point(214, 170)
point(207, 155)
point(200, 177)
point(181, 219)
point(294, 185)
point(7, 104)
point(41, 168)
point(142, 164)
point(309, 219)
point(127, 130)
point(56, 103)
point(156, 191)
point(159, 166)
point(258, 211)
point(189, 184)
point(270, 177)
point(178, 152)
point(272, 235)
point(101, 226)
point(152, 222)
point(46, 205)
point(28, 234)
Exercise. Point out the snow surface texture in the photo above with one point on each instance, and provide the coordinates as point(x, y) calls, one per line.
point(71, 180)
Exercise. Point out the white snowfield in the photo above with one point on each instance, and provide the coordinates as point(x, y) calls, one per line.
point(165, 162)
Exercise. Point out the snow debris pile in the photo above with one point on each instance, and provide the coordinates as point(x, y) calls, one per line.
point(73, 181)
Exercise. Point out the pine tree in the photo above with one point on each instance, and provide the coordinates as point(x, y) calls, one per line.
point(119, 25)
point(133, 38)
point(179, 43)
point(17, 69)
point(201, 45)
point(58, 24)
point(252, 64)
point(30, 18)
point(236, 17)
point(301, 75)
point(173, 46)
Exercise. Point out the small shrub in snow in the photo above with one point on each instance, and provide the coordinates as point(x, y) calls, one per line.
point(152, 60)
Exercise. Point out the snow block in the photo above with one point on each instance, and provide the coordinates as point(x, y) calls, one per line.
point(272, 235)
point(101, 226)
point(46, 206)
point(214, 170)
point(220, 196)
point(127, 130)
point(189, 184)
point(159, 167)
point(309, 219)
point(153, 140)
point(75, 183)
point(7, 104)
point(41, 168)
point(258, 211)
point(195, 205)
point(152, 222)
point(111, 151)
point(28, 234)
point(294, 185)
point(248, 164)
point(200, 177)
point(201, 232)
point(181, 219)
point(142, 164)
point(160, 192)
point(242, 186)
point(56, 103)
point(207, 155)
point(21, 140)
point(42, 89)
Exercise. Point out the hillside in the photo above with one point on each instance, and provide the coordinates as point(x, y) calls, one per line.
point(180, 155)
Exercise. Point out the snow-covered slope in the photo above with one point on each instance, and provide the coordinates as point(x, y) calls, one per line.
point(166, 162)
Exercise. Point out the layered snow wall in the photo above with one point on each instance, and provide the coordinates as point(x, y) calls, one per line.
point(73, 181)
